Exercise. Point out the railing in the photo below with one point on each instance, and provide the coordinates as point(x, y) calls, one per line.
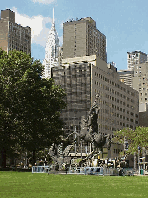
point(40, 169)
point(86, 170)
point(100, 171)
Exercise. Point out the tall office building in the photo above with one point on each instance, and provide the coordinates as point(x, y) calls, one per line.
point(51, 51)
point(13, 35)
point(135, 57)
point(136, 76)
point(82, 38)
point(140, 83)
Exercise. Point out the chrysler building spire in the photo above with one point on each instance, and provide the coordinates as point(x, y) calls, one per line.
point(51, 51)
point(53, 15)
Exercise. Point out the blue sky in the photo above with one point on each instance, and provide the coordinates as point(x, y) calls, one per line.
point(123, 22)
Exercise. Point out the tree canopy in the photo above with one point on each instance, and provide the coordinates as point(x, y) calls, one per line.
point(30, 106)
point(136, 138)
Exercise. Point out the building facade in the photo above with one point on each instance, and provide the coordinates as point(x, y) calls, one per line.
point(75, 80)
point(13, 35)
point(135, 57)
point(140, 82)
point(51, 51)
point(82, 38)
point(126, 76)
point(137, 78)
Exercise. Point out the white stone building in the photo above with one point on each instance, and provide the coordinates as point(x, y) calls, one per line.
point(51, 51)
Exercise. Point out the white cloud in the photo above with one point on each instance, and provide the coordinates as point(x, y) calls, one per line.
point(39, 32)
point(61, 40)
point(43, 1)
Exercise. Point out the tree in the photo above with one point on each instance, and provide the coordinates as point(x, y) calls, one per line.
point(30, 106)
point(135, 138)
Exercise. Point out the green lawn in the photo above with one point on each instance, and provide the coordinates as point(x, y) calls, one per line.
point(17, 184)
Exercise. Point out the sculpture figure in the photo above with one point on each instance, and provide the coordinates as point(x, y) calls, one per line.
point(89, 128)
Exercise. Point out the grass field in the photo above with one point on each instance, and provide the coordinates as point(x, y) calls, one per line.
point(28, 185)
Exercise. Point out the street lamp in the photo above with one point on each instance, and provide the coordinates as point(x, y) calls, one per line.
point(75, 139)
point(81, 148)
point(139, 148)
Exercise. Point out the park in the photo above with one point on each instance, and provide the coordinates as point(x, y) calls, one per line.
point(23, 184)
point(32, 133)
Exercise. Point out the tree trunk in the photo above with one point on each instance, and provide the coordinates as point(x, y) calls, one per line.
point(3, 158)
point(34, 158)
point(11, 160)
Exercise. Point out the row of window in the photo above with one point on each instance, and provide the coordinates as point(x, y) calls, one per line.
point(141, 94)
point(117, 100)
point(144, 89)
point(118, 115)
point(122, 125)
point(113, 83)
point(141, 99)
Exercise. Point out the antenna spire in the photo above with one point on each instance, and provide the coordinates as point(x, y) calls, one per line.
point(53, 15)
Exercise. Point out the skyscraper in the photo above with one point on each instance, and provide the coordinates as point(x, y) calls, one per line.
point(51, 51)
point(13, 35)
point(140, 83)
point(135, 57)
point(82, 38)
